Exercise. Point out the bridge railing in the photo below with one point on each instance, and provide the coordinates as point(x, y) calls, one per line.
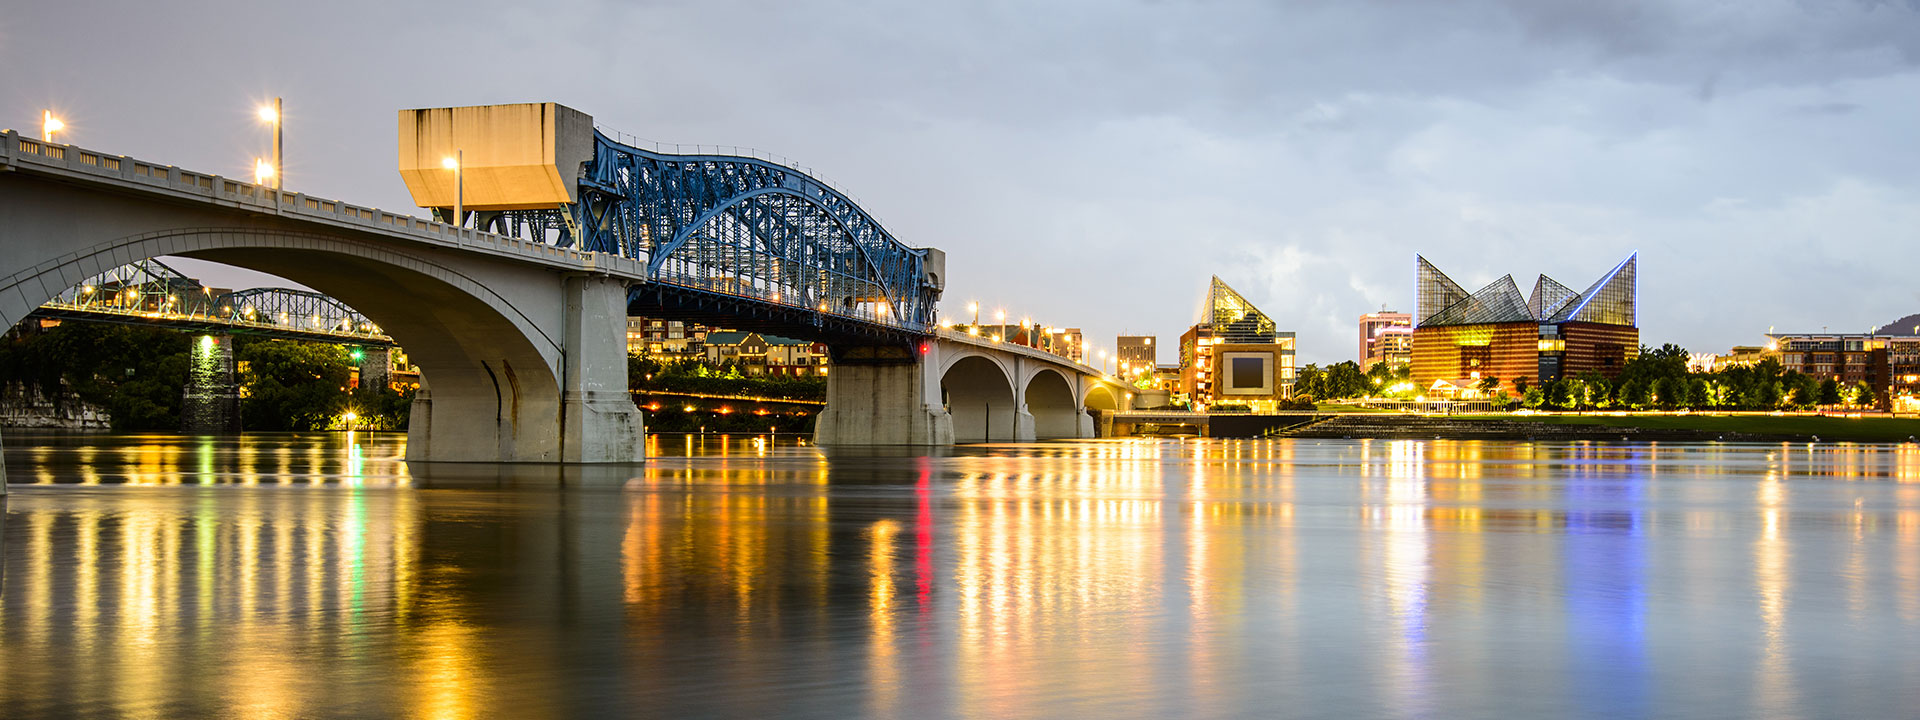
point(16, 149)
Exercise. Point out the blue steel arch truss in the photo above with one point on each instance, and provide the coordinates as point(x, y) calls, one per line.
point(742, 231)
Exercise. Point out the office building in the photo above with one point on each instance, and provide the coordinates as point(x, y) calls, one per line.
point(1235, 355)
point(1386, 337)
point(1136, 354)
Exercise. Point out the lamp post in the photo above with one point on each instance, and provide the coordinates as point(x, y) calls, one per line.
point(974, 307)
point(49, 125)
point(455, 164)
point(1000, 321)
point(271, 115)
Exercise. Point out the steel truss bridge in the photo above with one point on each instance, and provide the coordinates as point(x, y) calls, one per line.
point(740, 242)
point(148, 292)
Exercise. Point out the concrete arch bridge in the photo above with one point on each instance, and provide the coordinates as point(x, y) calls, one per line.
point(521, 339)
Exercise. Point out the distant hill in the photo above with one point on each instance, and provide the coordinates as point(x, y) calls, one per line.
point(1908, 326)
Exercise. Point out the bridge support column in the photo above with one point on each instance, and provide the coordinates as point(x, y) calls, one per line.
point(882, 403)
point(1086, 426)
point(211, 401)
point(599, 422)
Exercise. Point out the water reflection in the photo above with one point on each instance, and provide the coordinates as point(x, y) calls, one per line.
point(158, 575)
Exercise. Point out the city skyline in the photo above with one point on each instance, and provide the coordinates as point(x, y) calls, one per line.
point(1302, 153)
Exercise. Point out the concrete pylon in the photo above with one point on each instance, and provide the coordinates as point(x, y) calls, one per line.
point(877, 403)
point(210, 403)
point(502, 415)
point(598, 419)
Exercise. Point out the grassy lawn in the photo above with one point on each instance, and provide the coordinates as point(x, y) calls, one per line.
point(1867, 429)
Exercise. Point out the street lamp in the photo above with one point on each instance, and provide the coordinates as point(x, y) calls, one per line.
point(454, 163)
point(49, 125)
point(270, 114)
point(974, 307)
point(1000, 320)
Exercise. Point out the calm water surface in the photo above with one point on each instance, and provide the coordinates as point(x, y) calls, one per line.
point(305, 576)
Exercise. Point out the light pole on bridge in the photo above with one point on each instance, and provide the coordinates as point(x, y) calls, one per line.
point(271, 115)
point(455, 164)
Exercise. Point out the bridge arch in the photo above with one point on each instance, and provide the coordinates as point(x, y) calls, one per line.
point(1050, 399)
point(978, 394)
point(476, 348)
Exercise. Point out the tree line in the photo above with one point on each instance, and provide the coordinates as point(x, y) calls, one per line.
point(139, 375)
point(1658, 379)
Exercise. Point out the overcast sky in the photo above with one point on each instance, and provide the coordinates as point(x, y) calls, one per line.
point(1092, 164)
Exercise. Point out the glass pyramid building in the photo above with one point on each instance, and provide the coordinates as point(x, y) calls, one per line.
point(1608, 301)
point(1235, 320)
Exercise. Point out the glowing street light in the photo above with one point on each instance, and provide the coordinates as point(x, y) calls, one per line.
point(270, 114)
point(454, 163)
point(262, 171)
point(974, 307)
point(49, 125)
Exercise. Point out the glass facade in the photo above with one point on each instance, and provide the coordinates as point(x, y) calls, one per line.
point(1234, 319)
point(1609, 301)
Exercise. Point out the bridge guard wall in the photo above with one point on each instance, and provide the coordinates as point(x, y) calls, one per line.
point(883, 404)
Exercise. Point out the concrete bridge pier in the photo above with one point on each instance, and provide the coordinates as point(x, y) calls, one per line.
point(501, 413)
point(881, 396)
point(598, 420)
point(210, 403)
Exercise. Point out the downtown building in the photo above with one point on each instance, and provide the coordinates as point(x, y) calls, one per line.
point(1555, 332)
point(1386, 337)
point(1235, 355)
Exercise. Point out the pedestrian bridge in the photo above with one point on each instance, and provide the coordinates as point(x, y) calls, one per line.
point(520, 334)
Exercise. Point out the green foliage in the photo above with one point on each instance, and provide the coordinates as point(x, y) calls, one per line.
point(1344, 380)
point(1533, 398)
point(1863, 394)
point(686, 376)
point(137, 374)
point(1228, 408)
point(290, 385)
point(1829, 392)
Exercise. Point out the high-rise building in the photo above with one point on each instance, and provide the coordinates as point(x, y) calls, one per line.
point(1386, 337)
point(1235, 354)
point(1460, 338)
point(1137, 354)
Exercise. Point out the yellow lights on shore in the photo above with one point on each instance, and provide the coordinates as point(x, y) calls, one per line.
point(49, 125)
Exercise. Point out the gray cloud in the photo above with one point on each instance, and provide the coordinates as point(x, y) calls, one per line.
point(1092, 163)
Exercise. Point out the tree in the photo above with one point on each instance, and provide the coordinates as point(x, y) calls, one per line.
point(290, 385)
point(1344, 380)
point(1863, 394)
point(1829, 392)
point(1311, 380)
point(1380, 377)
point(1555, 393)
point(1487, 385)
point(1533, 398)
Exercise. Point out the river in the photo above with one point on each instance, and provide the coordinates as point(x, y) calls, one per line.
point(320, 575)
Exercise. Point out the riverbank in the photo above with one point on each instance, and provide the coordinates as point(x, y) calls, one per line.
point(1742, 428)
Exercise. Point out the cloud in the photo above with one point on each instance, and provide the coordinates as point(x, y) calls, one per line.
point(1091, 164)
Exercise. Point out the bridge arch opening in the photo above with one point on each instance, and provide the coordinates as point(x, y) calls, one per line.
point(475, 353)
point(979, 397)
point(1050, 402)
point(1102, 403)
